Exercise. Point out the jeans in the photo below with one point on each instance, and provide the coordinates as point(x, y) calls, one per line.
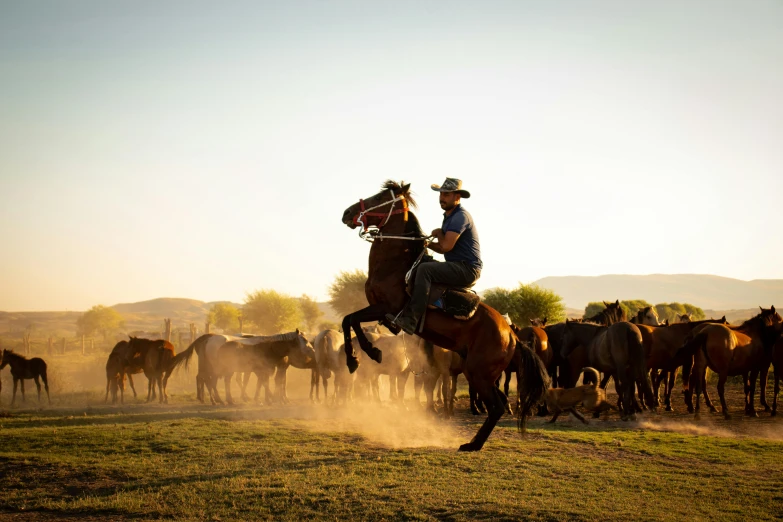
point(446, 273)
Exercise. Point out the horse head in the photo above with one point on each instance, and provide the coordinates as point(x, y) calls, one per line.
point(303, 355)
point(376, 210)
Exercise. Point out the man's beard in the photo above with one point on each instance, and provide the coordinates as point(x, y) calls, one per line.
point(447, 206)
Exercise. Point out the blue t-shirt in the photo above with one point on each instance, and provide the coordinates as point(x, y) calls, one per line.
point(467, 246)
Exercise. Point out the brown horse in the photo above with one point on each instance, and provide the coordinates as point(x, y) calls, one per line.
point(616, 350)
point(536, 338)
point(612, 313)
point(23, 368)
point(663, 354)
point(777, 364)
point(117, 367)
point(156, 357)
point(733, 351)
point(485, 341)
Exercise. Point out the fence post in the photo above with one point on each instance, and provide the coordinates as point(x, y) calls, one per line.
point(179, 339)
point(192, 332)
point(167, 334)
point(241, 320)
point(206, 327)
point(92, 345)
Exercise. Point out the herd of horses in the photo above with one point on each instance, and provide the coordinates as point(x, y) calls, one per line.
point(639, 354)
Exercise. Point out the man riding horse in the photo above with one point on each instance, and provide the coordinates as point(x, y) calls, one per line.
point(458, 241)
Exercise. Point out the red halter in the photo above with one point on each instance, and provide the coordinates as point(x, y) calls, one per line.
point(361, 217)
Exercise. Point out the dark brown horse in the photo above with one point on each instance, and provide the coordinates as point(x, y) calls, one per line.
point(23, 368)
point(777, 365)
point(485, 341)
point(733, 351)
point(612, 313)
point(536, 338)
point(156, 357)
point(117, 367)
point(616, 350)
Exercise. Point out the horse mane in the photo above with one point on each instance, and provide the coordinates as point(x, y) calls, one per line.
point(14, 355)
point(390, 184)
point(764, 318)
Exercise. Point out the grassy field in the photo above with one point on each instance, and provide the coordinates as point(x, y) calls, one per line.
point(82, 459)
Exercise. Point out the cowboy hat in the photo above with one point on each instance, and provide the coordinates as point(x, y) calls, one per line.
point(452, 185)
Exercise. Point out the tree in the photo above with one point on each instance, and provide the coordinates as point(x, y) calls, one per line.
point(272, 312)
point(526, 302)
point(224, 316)
point(346, 293)
point(101, 319)
point(593, 308)
point(310, 311)
point(670, 311)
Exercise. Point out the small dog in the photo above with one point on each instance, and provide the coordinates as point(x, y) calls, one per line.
point(590, 396)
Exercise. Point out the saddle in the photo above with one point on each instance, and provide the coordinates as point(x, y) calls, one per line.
point(459, 302)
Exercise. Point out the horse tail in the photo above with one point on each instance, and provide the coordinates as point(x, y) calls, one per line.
point(692, 344)
point(532, 381)
point(185, 355)
point(638, 365)
point(325, 348)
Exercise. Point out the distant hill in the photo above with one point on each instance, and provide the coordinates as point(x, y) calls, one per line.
point(706, 291)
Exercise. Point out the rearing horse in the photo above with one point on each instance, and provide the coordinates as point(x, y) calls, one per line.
point(485, 341)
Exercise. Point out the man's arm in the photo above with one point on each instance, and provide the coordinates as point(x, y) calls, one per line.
point(445, 242)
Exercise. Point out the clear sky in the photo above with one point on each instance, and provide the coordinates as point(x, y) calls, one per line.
point(206, 149)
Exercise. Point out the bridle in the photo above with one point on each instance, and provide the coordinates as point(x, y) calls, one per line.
point(361, 217)
point(372, 232)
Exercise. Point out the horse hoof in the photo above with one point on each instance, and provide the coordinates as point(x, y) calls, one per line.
point(669, 408)
point(470, 446)
point(353, 364)
point(713, 410)
point(767, 408)
point(773, 414)
point(727, 416)
point(751, 413)
point(375, 354)
point(690, 409)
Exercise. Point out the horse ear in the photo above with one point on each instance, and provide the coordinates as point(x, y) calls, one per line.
point(761, 309)
point(606, 304)
point(617, 303)
point(405, 187)
point(297, 331)
point(773, 309)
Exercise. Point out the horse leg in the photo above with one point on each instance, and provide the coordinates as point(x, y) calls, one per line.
point(672, 377)
point(448, 401)
point(750, 409)
point(13, 398)
point(627, 388)
point(706, 394)
point(227, 381)
point(162, 390)
point(688, 385)
point(21, 385)
point(130, 381)
point(429, 383)
point(775, 390)
point(355, 320)
point(722, 394)
point(492, 398)
point(506, 385)
point(38, 385)
point(764, 375)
